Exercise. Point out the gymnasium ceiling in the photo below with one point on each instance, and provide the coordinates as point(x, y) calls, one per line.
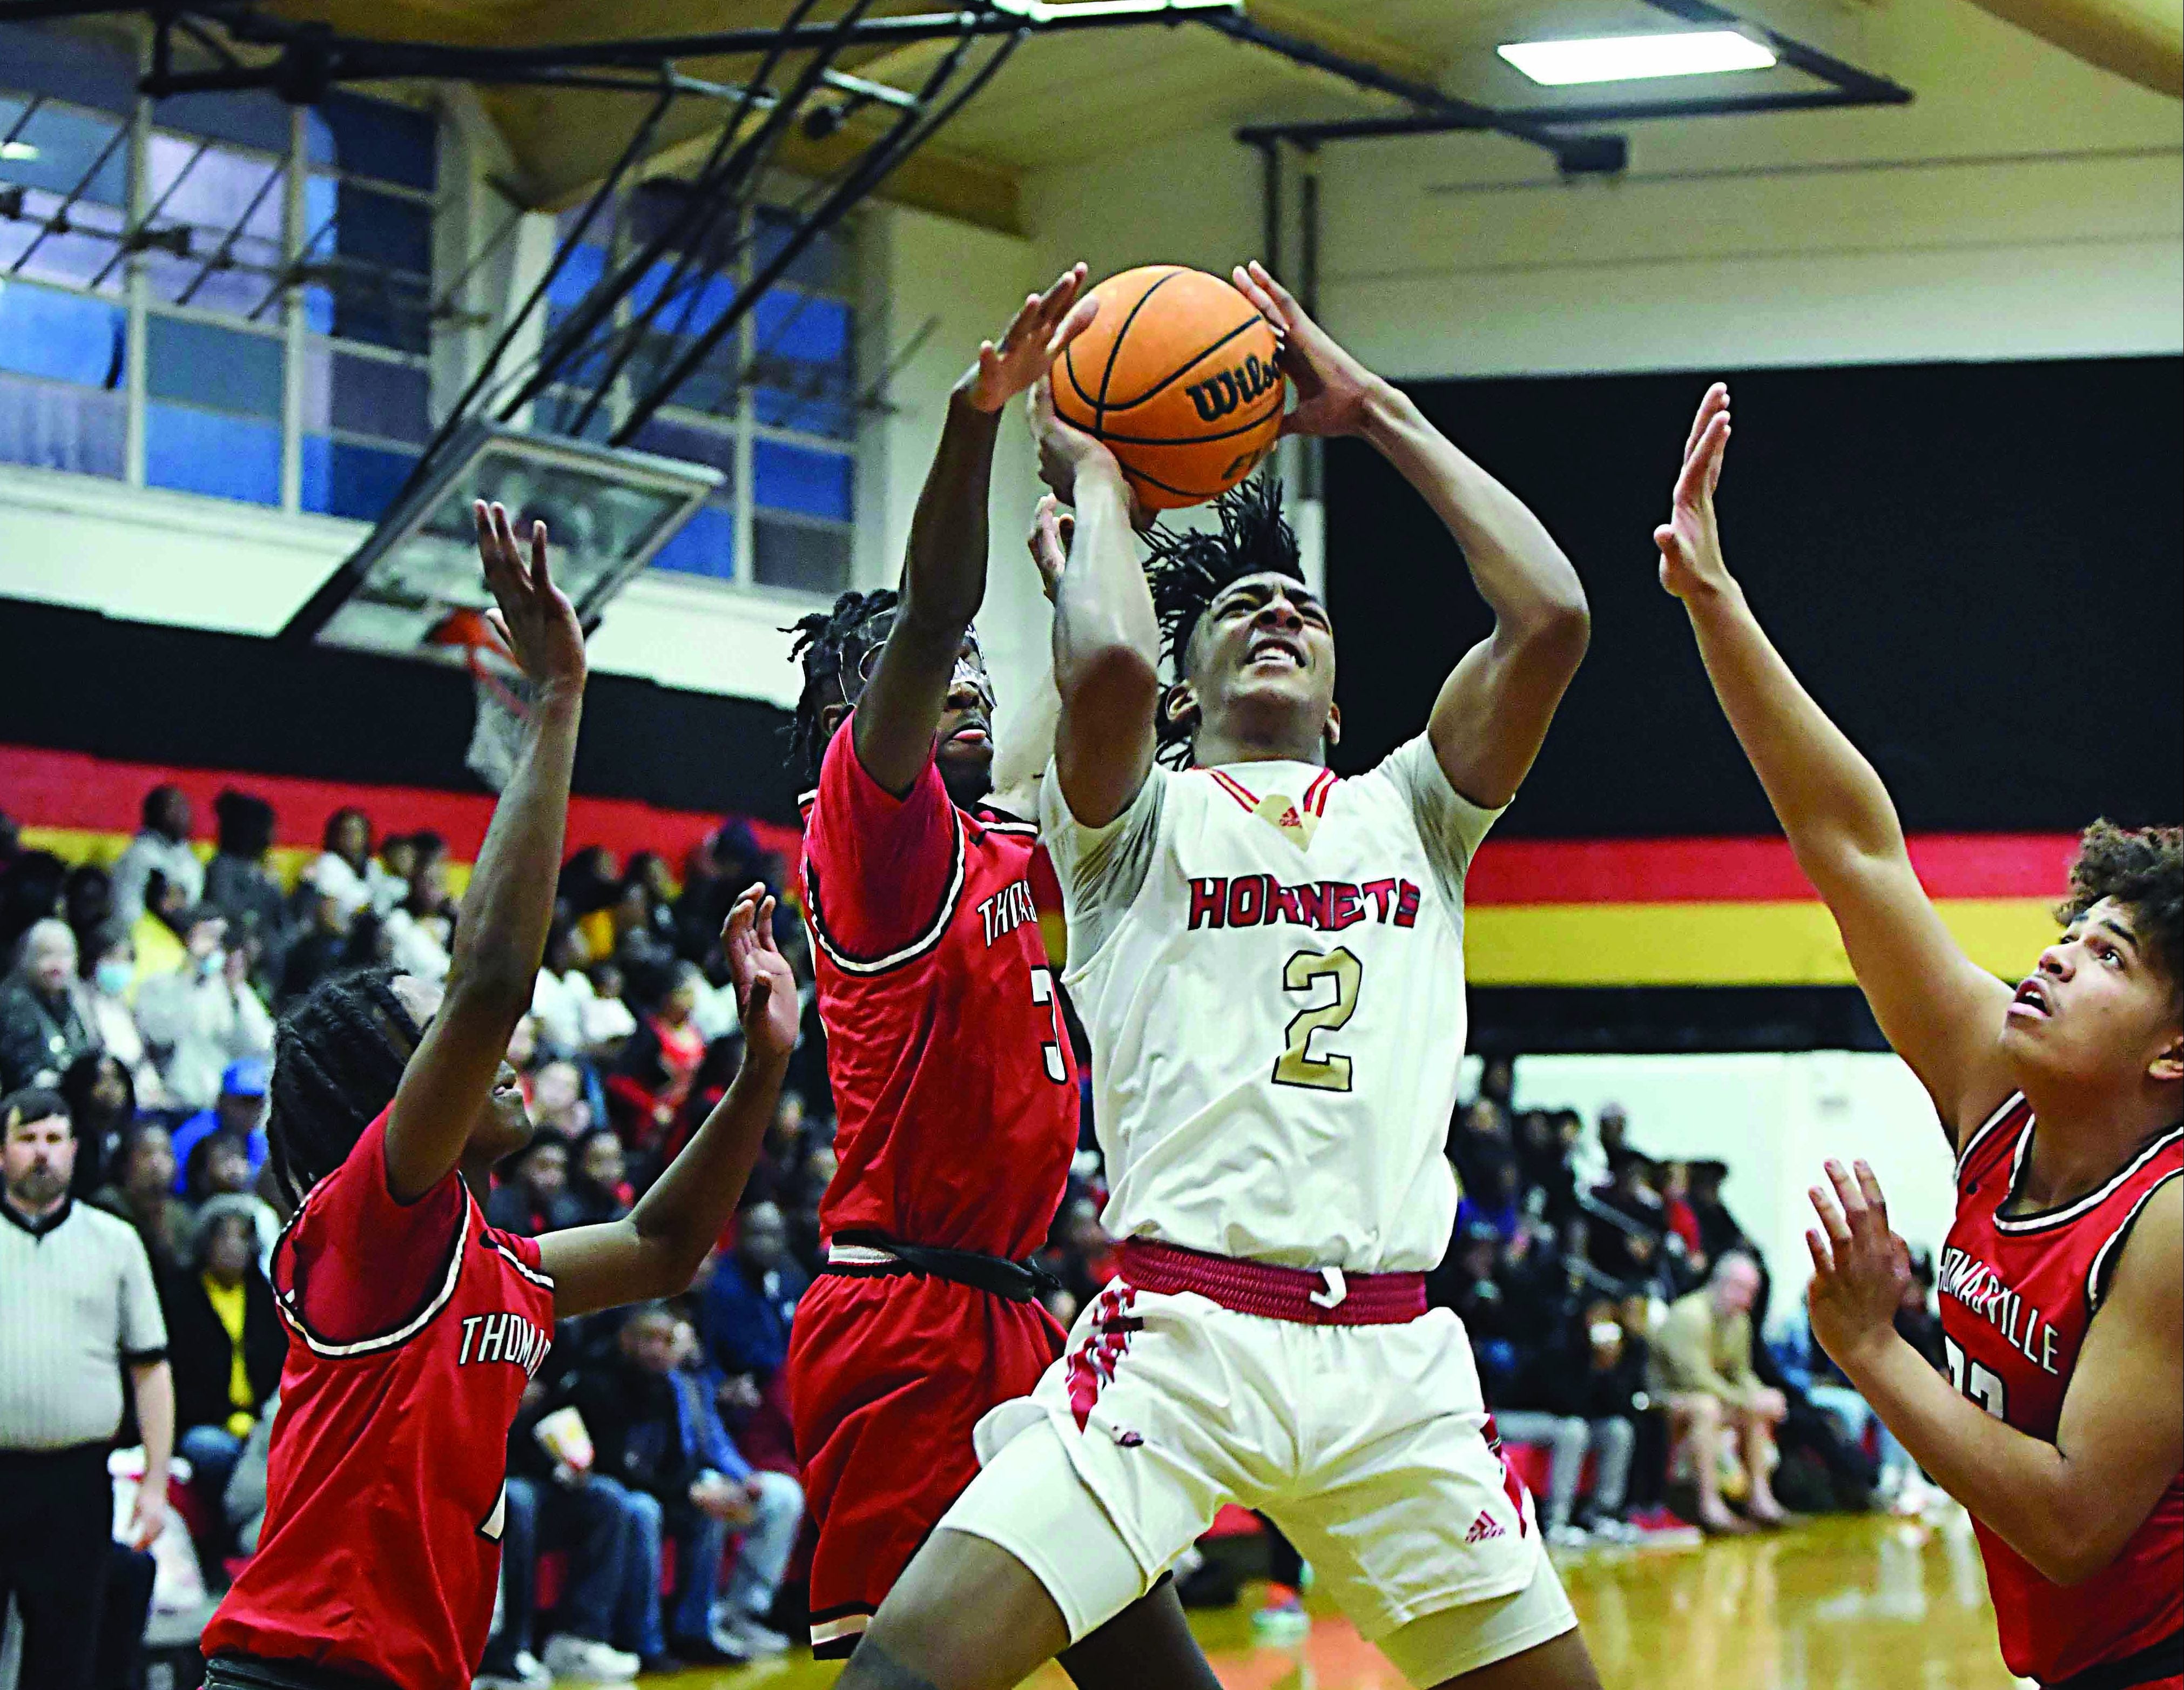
point(1068, 96)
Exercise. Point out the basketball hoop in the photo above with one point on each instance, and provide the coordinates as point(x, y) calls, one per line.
point(504, 696)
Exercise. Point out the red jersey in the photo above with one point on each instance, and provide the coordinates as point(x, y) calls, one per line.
point(413, 1329)
point(954, 1085)
point(2018, 1293)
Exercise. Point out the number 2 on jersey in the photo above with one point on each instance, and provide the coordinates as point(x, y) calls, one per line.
point(1043, 993)
point(1302, 973)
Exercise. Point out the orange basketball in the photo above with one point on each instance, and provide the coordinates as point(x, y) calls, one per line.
point(1177, 374)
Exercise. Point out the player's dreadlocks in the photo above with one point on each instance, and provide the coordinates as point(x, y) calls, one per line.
point(2143, 869)
point(338, 1055)
point(1189, 570)
point(832, 645)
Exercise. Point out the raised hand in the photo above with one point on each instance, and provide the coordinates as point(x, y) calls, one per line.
point(765, 990)
point(1064, 450)
point(533, 618)
point(1029, 345)
point(1332, 387)
point(1859, 1267)
point(1052, 524)
point(1691, 539)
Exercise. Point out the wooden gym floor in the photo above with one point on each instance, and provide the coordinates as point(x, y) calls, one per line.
point(1841, 1604)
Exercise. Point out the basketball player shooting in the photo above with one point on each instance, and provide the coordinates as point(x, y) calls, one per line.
point(953, 1082)
point(2061, 1424)
point(415, 1325)
point(1270, 964)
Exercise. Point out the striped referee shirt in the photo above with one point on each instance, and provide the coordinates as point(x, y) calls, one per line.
point(76, 1301)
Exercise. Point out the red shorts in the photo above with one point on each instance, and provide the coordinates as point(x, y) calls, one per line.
point(887, 1376)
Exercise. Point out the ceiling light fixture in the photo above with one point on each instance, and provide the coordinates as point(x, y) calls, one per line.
point(1629, 58)
point(23, 150)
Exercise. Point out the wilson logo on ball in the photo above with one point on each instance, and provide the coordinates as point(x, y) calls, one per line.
point(1219, 395)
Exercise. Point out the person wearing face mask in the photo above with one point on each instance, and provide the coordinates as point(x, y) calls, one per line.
point(105, 995)
point(42, 1028)
point(204, 1015)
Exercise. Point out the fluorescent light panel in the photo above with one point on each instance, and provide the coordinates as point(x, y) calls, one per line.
point(1629, 59)
point(24, 150)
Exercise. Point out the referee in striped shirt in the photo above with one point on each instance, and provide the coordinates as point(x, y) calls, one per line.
point(76, 1305)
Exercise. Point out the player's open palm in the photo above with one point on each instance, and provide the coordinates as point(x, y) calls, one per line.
point(1691, 539)
point(533, 615)
point(1859, 1266)
point(1029, 345)
point(765, 988)
point(1331, 386)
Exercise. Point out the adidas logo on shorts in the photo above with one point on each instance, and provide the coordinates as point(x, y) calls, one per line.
point(1484, 1527)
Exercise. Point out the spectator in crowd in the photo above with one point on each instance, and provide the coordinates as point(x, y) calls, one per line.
point(141, 1192)
point(399, 855)
point(589, 888)
point(87, 904)
point(162, 845)
point(1899, 1485)
point(531, 1196)
point(1681, 1220)
point(42, 1025)
point(109, 983)
point(226, 1341)
point(1543, 1163)
point(646, 907)
point(598, 1184)
point(102, 1101)
point(558, 1102)
point(60, 1391)
point(244, 1504)
point(1493, 1202)
point(1466, 1281)
point(558, 997)
point(1718, 1232)
point(421, 928)
point(607, 1020)
point(344, 872)
point(1628, 1225)
point(317, 947)
point(30, 887)
point(631, 1406)
point(1582, 1394)
point(204, 1015)
point(156, 935)
point(238, 885)
point(753, 1297)
point(652, 1076)
point(1703, 1357)
point(239, 1111)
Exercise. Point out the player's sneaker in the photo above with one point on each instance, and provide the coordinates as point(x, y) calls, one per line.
point(1607, 1529)
point(522, 1671)
point(1281, 1619)
point(1658, 1529)
point(1570, 1536)
point(585, 1661)
point(760, 1642)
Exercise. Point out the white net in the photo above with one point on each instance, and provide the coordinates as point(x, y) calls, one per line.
point(504, 713)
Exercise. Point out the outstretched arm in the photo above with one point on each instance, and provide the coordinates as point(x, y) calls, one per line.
point(1107, 639)
point(502, 934)
point(655, 1249)
point(1940, 1010)
point(1493, 711)
point(1020, 760)
point(2068, 1507)
point(943, 578)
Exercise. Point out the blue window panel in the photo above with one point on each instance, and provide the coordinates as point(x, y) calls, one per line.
point(212, 189)
point(217, 368)
point(791, 478)
point(321, 199)
point(67, 143)
point(823, 263)
point(688, 442)
point(372, 396)
point(802, 327)
point(697, 304)
point(704, 545)
point(346, 480)
point(577, 277)
point(62, 337)
point(373, 138)
point(556, 412)
point(382, 230)
point(248, 118)
point(803, 557)
point(74, 259)
point(381, 309)
point(817, 406)
point(55, 426)
point(197, 451)
point(92, 70)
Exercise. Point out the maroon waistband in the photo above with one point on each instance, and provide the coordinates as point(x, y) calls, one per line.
point(1312, 1296)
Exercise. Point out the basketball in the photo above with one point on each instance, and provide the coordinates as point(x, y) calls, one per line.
point(1177, 376)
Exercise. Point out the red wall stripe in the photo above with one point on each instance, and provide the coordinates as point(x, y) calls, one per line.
point(101, 794)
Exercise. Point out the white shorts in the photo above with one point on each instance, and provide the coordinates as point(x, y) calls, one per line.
point(1366, 1444)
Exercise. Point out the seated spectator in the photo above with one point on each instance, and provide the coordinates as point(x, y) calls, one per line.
point(753, 1297)
point(102, 1101)
point(219, 1166)
point(345, 873)
point(202, 1016)
point(1465, 1282)
point(652, 1076)
point(599, 1187)
point(635, 1412)
point(589, 885)
point(1583, 1393)
point(557, 1103)
point(419, 928)
point(162, 847)
point(1718, 1232)
point(87, 905)
point(607, 1019)
point(225, 1339)
point(1704, 1370)
point(1493, 1202)
point(532, 1195)
point(399, 857)
point(238, 885)
point(239, 1110)
point(43, 1028)
point(141, 1190)
point(318, 948)
point(1681, 1219)
point(557, 998)
point(1628, 1225)
point(1543, 1163)
point(592, 1520)
point(1899, 1486)
point(109, 983)
point(244, 1503)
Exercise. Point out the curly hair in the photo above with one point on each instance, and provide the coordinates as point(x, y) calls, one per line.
point(831, 645)
point(2141, 868)
point(1189, 570)
point(338, 1054)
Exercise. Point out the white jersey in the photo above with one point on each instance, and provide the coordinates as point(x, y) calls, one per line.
point(1269, 962)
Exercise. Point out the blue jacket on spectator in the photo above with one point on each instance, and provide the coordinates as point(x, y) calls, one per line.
point(746, 1316)
point(705, 1440)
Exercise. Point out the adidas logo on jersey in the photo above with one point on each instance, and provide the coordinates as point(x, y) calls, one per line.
point(1484, 1527)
